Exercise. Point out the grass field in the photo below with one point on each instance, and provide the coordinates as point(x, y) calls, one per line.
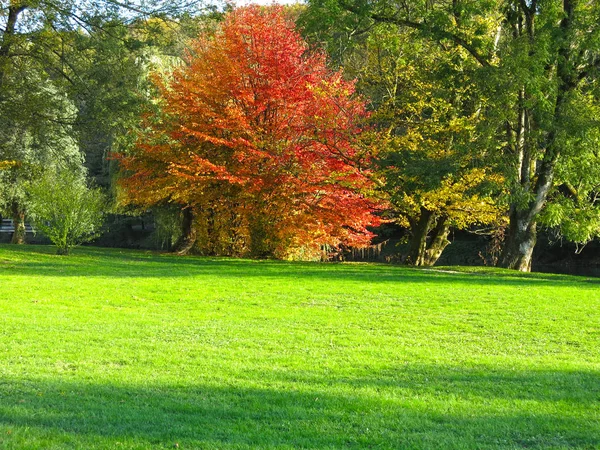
point(121, 350)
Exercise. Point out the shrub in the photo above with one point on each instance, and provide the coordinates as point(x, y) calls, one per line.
point(66, 210)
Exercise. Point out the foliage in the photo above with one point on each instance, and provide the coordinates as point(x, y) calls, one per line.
point(35, 136)
point(230, 354)
point(574, 207)
point(536, 65)
point(71, 71)
point(425, 116)
point(112, 85)
point(259, 139)
point(432, 164)
point(65, 209)
point(549, 122)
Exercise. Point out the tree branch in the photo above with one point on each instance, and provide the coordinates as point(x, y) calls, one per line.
point(525, 8)
point(7, 36)
point(443, 34)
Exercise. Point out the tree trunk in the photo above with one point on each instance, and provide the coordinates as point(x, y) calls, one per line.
point(518, 248)
point(418, 240)
point(427, 244)
point(212, 233)
point(18, 216)
point(522, 232)
point(438, 242)
point(7, 38)
point(188, 233)
point(63, 251)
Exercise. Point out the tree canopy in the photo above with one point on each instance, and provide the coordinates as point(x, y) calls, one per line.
point(537, 65)
point(476, 115)
point(257, 139)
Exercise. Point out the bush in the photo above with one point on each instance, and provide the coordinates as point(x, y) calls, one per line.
point(66, 210)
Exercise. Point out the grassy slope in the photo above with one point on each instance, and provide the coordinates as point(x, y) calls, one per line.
point(119, 349)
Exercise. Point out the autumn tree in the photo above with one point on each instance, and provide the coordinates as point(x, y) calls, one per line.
point(256, 141)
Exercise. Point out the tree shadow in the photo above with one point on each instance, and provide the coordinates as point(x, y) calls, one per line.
point(410, 407)
point(95, 262)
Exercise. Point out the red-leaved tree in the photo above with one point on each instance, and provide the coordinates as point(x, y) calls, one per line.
point(258, 143)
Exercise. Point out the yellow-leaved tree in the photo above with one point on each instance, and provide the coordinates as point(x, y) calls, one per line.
point(426, 116)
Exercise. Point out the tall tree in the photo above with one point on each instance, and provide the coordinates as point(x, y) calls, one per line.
point(425, 113)
point(538, 64)
point(258, 140)
point(86, 59)
point(35, 134)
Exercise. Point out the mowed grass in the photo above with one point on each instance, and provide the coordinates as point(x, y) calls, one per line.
point(130, 350)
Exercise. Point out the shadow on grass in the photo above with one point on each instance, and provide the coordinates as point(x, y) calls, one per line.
point(574, 387)
point(111, 263)
point(418, 407)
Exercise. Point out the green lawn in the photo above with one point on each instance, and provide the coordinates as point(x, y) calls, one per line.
point(120, 350)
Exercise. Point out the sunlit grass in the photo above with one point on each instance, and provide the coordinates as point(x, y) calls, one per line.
point(122, 349)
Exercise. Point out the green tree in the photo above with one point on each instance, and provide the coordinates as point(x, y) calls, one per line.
point(425, 113)
point(90, 54)
point(110, 84)
point(537, 67)
point(35, 135)
point(33, 29)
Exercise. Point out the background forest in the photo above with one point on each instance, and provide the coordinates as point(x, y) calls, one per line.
point(303, 132)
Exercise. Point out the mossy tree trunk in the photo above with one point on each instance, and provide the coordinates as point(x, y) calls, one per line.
point(518, 249)
point(429, 238)
point(438, 241)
